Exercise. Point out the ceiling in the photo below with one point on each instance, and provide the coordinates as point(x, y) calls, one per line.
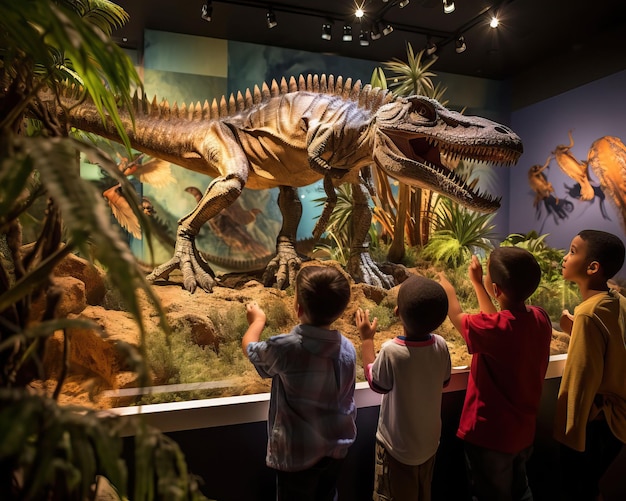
point(532, 33)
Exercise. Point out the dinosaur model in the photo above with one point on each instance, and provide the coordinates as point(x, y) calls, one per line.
point(295, 133)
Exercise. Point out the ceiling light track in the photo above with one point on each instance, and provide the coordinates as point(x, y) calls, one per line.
point(371, 24)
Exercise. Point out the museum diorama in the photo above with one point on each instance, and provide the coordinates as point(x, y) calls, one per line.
point(135, 229)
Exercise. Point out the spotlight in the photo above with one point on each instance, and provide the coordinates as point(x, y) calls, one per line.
point(494, 22)
point(448, 6)
point(326, 31)
point(363, 39)
point(375, 34)
point(459, 45)
point(271, 19)
point(431, 47)
point(207, 11)
point(347, 33)
point(387, 29)
point(403, 3)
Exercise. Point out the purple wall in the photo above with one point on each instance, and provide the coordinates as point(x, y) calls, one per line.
point(592, 111)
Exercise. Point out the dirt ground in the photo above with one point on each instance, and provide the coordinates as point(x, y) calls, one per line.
point(97, 369)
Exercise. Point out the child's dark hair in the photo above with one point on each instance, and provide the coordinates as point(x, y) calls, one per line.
point(422, 305)
point(605, 248)
point(323, 292)
point(515, 271)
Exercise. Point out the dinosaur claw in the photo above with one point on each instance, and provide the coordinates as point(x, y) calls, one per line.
point(363, 269)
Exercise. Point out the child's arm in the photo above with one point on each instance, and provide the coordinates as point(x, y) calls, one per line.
point(475, 272)
point(256, 322)
point(367, 331)
point(455, 312)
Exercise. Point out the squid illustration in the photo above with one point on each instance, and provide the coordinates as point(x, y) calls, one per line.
point(575, 169)
point(607, 160)
point(539, 182)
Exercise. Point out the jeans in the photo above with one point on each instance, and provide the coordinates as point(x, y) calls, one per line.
point(497, 476)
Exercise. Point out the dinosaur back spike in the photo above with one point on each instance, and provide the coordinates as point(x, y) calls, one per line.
point(339, 85)
point(136, 101)
point(241, 103)
point(213, 110)
point(356, 90)
point(363, 95)
point(274, 88)
point(258, 97)
point(232, 104)
point(266, 92)
point(284, 87)
point(293, 85)
point(154, 107)
point(223, 107)
point(301, 85)
point(316, 83)
point(164, 109)
point(323, 83)
point(347, 87)
point(196, 112)
point(249, 101)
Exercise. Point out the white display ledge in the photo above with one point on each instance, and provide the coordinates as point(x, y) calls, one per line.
point(214, 412)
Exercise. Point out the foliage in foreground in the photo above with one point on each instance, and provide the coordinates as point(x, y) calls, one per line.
point(48, 451)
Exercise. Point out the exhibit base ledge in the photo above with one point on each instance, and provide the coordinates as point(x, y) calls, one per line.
point(225, 411)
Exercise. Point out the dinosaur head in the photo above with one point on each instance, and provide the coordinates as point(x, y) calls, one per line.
point(416, 138)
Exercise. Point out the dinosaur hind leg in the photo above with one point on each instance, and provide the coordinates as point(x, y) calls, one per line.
point(360, 264)
point(285, 265)
point(222, 192)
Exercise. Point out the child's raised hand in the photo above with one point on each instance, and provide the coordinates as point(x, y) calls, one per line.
point(254, 313)
point(475, 271)
point(566, 322)
point(366, 329)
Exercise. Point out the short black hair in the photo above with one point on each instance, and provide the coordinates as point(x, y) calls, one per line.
point(515, 270)
point(422, 305)
point(323, 292)
point(605, 248)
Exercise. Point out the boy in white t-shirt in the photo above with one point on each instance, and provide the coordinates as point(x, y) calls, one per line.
point(410, 371)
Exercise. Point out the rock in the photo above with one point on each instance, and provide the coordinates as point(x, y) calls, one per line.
point(92, 277)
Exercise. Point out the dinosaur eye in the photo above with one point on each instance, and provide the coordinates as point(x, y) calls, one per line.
point(422, 111)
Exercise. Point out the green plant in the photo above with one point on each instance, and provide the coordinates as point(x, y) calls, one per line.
point(458, 234)
point(407, 217)
point(48, 451)
point(549, 258)
point(339, 228)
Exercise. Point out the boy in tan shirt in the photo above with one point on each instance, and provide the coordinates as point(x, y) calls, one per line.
point(590, 417)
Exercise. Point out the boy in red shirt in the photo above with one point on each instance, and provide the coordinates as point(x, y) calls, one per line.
point(510, 349)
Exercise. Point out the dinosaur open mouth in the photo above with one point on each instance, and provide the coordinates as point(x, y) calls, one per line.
point(431, 150)
point(429, 163)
